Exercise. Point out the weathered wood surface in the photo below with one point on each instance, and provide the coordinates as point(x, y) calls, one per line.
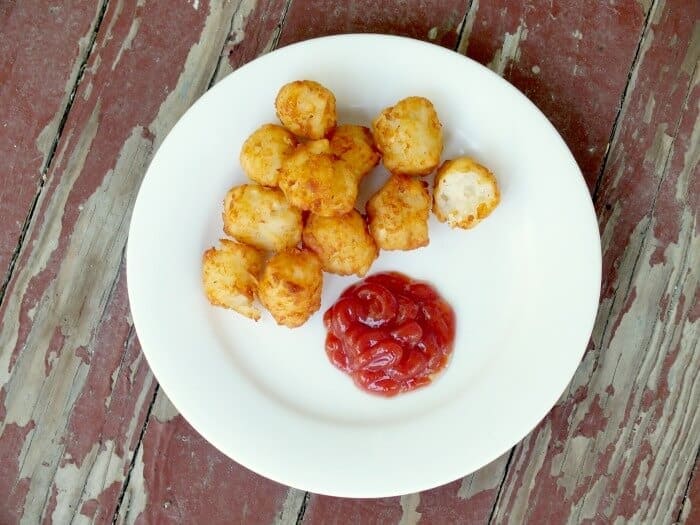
point(76, 391)
point(691, 506)
point(571, 58)
point(41, 54)
point(437, 22)
point(85, 433)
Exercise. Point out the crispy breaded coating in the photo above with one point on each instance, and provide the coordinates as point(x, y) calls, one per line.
point(313, 179)
point(398, 214)
point(261, 217)
point(230, 276)
point(342, 243)
point(465, 192)
point(290, 286)
point(355, 146)
point(264, 151)
point(306, 108)
point(409, 137)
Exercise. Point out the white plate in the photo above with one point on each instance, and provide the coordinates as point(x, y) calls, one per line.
point(524, 284)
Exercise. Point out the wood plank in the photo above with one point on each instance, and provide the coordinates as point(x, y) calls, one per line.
point(74, 388)
point(621, 443)
point(437, 22)
point(41, 53)
point(179, 477)
point(691, 506)
point(469, 500)
point(560, 55)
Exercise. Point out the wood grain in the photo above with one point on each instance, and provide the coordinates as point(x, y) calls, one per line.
point(691, 506)
point(41, 54)
point(621, 443)
point(437, 22)
point(560, 55)
point(75, 390)
point(179, 477)
point(469, 500)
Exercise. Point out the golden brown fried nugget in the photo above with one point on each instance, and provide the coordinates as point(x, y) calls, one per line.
point(306, 108)
point(342, 243)
point(409, 136)
point(264, 151)
point(355, 146)
point(261, 217)
point(290, 286)
point(314, 179)
point(230, 276)
point(398, 214)
point(465, 192)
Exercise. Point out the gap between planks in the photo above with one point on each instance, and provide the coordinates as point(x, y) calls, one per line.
point(137, 448)
point(684, 499)
point(52, 151)
point(625, 92)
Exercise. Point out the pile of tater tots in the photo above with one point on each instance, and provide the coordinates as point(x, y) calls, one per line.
point(296, 218)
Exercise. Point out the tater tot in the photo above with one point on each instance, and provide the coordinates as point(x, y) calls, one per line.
point(313, 179)
point(230, 276)
point(306, 108)
point(342, 243)
point(355, 146)
point(264, 151)
point(409, 137)
point(290, 286)
point(465, 193)
point(398, 214)
point(261, 217)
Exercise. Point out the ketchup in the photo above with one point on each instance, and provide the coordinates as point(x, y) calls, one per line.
point(390, 333)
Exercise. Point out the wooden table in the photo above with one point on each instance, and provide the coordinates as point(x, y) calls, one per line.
point(89, 89)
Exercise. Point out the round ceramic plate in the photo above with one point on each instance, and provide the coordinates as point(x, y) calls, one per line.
point(524, 284)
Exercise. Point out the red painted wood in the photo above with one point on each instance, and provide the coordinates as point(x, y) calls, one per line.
point(451, 503)
point(257, 34)
point(691, 510)
point(74, 386)
point(187, 479)
point(570, 57)
point(324, 510)
point(40, 53)
point(433, 21)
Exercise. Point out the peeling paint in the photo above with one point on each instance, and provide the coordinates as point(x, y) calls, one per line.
point(649, 109)
point(126, 44)
point(509, 50)
point(290, 507)
point(48, 134)
point(240, 20)
point(466, 27)
point(46, 242)
point(409, 504)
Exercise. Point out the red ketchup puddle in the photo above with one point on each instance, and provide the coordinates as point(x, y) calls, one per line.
point(390, 333)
